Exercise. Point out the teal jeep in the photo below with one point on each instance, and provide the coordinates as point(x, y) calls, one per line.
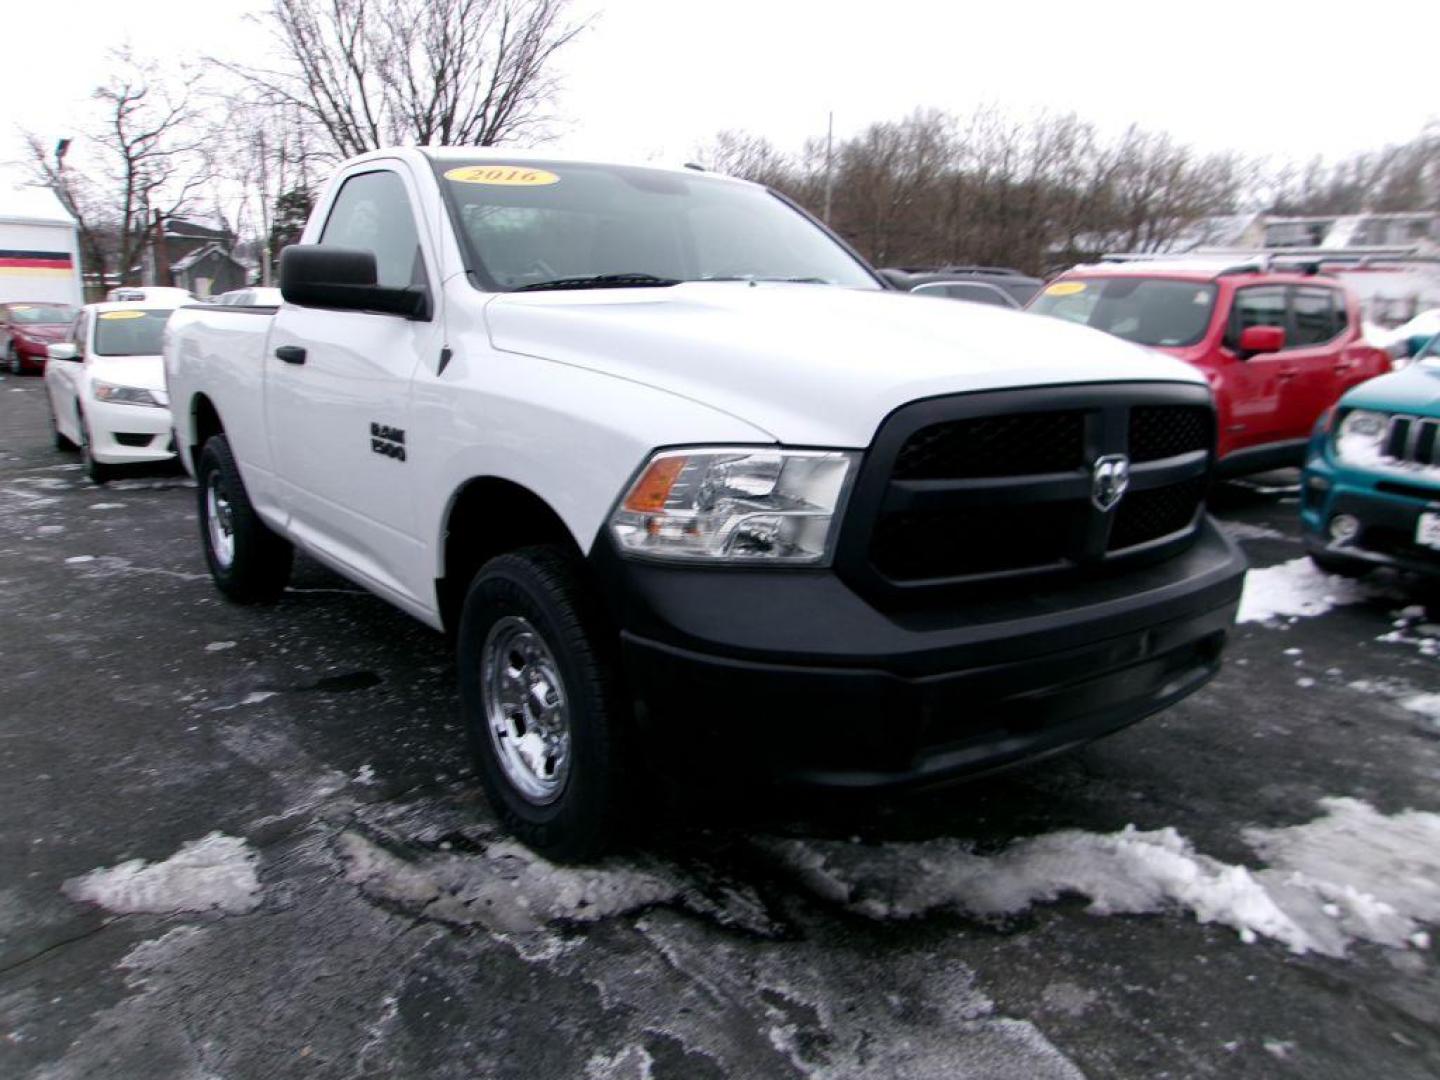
point(1370, 494)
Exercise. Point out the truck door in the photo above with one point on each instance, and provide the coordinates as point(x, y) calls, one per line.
point(1255, 384)
point(337, 395)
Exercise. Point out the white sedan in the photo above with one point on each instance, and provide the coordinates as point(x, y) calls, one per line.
point(106, 386)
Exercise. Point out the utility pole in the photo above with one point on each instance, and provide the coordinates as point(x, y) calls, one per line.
point(829, 164)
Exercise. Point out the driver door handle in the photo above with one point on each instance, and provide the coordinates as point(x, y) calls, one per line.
point(291, 354)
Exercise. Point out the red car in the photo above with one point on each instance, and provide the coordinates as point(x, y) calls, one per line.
point(1278, 347)
point(26, 328)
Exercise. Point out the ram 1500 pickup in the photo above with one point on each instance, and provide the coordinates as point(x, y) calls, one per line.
point(668, 458)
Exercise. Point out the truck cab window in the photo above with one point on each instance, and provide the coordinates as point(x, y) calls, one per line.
point(372, 212)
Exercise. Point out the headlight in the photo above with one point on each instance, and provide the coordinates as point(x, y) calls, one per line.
point(1360, 438)
point(125, 395)
point(737, 505)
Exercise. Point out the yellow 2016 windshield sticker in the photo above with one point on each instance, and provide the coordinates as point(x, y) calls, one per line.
point(122, 314)
point(1065, 288)
point(502, 175)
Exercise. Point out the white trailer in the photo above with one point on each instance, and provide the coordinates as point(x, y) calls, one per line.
point(39, 249)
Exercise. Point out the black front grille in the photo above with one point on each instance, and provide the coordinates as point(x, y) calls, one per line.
point(1005, 486)
point(994, 446)
point(1414, 439)
point(911, 547)
point(1163, 431)
point(1149, 515)
point(126, 438)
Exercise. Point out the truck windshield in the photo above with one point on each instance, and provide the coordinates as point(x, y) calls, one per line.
point(131, 332)
point(562, 225)
point(1147, 311)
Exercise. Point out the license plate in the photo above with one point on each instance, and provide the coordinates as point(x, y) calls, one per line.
point(1427, 531)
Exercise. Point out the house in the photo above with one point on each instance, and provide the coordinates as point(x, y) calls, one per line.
point(208, 271)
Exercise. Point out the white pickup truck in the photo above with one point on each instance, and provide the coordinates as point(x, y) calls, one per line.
point(668, 459)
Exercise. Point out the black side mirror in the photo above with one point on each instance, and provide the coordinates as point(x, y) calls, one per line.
point(345, 279)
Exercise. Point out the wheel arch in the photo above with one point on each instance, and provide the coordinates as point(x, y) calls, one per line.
point(485, 517)
point(204, 423)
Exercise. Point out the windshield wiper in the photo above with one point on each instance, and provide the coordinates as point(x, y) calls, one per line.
point(602, 281)
point(756, 279)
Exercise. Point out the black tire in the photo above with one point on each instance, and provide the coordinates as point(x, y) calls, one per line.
point(97, 471)
point(258, 564)
point(541, 589)
point(1341, 567)
point(12, 359)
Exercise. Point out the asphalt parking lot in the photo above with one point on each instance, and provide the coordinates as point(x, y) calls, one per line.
point(373, 923)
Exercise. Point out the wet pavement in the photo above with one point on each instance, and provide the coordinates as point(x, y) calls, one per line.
point(370, 920)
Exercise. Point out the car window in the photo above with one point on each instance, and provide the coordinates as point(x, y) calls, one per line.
point(1342, 311)
point(1148, 311)
point(1260, 305)
point(1314, 317)
point(372, 212)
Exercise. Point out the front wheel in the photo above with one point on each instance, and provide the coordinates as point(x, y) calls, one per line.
point(12, 359)
point(542, 713)
point(97, 471)
point(249, 562)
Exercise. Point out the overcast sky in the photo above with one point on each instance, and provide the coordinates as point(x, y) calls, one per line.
point(653, 79)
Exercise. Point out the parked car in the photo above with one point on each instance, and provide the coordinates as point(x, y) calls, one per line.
point(672, 464)
point(25, 331)
point(997, 285)
point(1278, 347)
point(1370, 493)
point(106, 386)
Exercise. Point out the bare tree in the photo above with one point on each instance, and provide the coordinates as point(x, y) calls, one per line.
point(146, 163)
point(371, 73)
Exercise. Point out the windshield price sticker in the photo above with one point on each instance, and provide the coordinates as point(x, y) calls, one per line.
point(1065, 288)
point(122, 314)
point(502, 175)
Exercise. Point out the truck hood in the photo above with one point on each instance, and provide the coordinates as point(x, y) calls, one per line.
point(1416, 390)
point(144, 371)
point(810, 364)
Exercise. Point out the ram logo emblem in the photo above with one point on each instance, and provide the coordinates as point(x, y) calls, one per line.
point(1109, 480)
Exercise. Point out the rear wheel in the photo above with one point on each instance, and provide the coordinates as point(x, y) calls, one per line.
point(543, 717)
point(249, 562)
point(97, 471)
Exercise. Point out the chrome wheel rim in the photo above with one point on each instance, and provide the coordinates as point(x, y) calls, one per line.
point(526, 710)
point(219, 522)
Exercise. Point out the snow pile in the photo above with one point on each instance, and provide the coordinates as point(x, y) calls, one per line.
point(1351, 875)
point(1295, 588)
point(1425, 705)
point(505, 887)
point(216, 872)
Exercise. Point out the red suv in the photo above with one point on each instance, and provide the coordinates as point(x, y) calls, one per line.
point(1277, 346)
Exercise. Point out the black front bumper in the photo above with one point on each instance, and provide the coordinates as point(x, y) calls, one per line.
point(797, 673)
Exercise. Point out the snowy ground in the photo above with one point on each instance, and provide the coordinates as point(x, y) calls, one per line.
point(245, 843)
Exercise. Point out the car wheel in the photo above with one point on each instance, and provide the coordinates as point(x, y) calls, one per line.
point(12, 357)
point(542, 714)
point(248, 560)
point(1339, 566)
point(97, 471)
